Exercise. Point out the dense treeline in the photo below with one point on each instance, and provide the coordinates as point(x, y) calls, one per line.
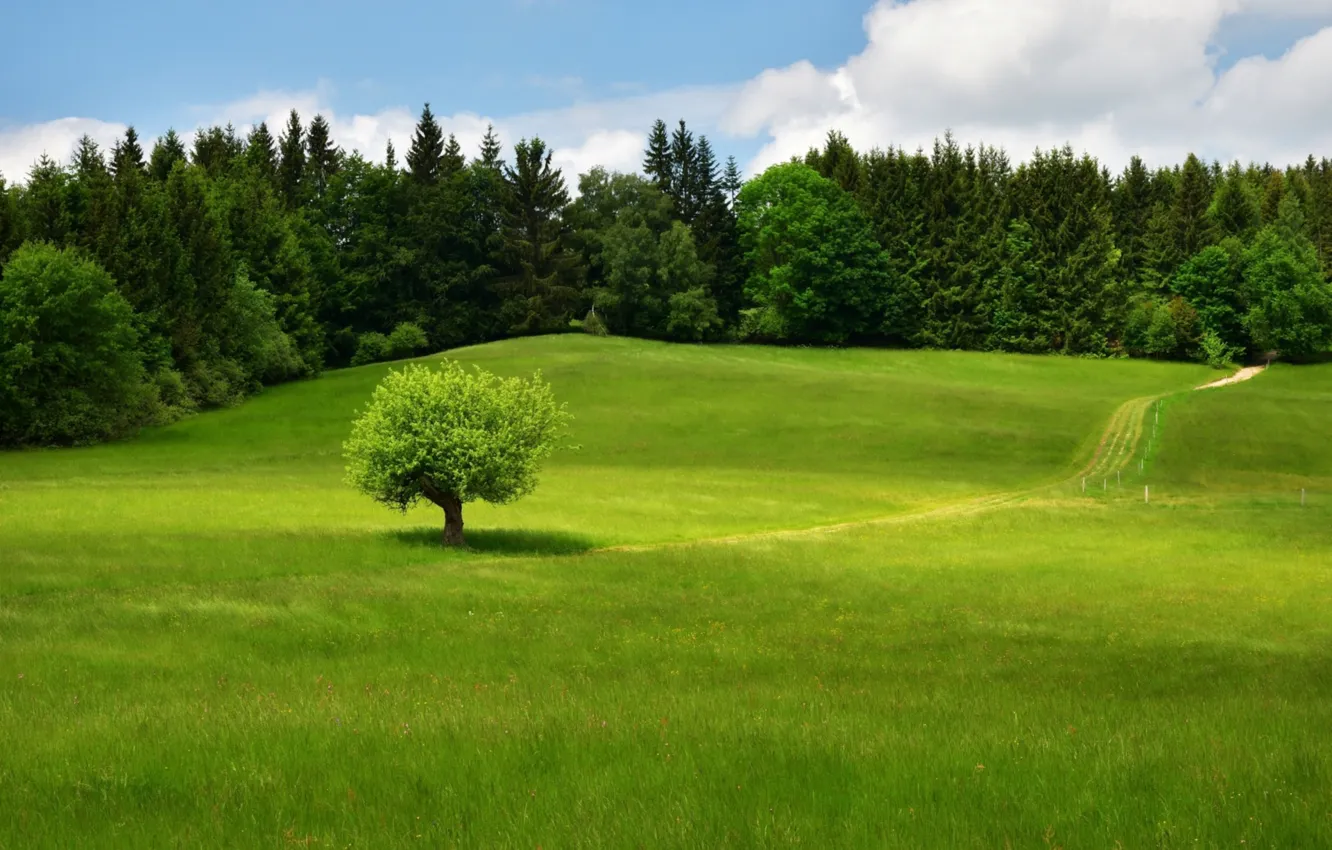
point(139, 286)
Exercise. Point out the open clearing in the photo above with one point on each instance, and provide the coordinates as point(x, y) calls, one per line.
point(207, 640)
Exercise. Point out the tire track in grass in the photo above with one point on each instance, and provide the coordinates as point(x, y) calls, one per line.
point(1118, 446)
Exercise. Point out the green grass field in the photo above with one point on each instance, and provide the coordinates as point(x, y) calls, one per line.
point(207, 640)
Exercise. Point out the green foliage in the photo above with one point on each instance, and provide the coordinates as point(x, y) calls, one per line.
point(815, 265)
point(1290, 301)
point(1216, 352)
point(372, 347)
point(71, 370)
point(452, 436)
point(407, 340)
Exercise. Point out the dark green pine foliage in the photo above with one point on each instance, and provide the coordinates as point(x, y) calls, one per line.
point(1235, 211)
point(291, 162)
point(892, 193)
point(89, 196)
point(321, 157)
point(1180, 226)
point(1274, 192)
point(44, 214)
point(452, 160)
point(491, 149)
point(731, 181)
point(1060, 289)
point(1133, 200)
point(657, 160)
point(261, 152)
point(952, 285)
point(10, 235)
point(684, 173)
point(716, 236)
point(390, 156)
point(543, 273)
point(168, 151)
point(217, 150)
point(427, 149)
point(1318, 173)
point(838, 161)
point(127, 155)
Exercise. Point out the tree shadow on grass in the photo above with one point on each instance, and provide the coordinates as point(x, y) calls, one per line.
point(502, 541)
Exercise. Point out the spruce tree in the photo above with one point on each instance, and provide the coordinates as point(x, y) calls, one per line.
point(216, 150)
point(542, 286)
point(452, 160)
point(1235, 210)
point(260, 151)
point(390, 157)
point(423, 157)
point(321, 156)
point(291, 165)
point(168, 151)
point(684, 173)
point(657, 158)
point(1193, 228)
point(490, 148)
point(127, 155)
point(731, 181)
point(1132, 201)
point(1274, 192)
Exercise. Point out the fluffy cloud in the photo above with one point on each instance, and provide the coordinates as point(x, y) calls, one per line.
point(23, 146)
point(1112, 77)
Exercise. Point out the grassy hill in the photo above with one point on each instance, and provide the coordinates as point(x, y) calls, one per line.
point(206, 640)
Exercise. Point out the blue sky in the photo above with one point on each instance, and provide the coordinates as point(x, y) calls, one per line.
point(764, 78)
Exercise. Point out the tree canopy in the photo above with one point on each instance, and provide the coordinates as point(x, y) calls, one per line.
point(451, 437)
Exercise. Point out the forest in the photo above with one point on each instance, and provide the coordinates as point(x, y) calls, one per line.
point(138, 286)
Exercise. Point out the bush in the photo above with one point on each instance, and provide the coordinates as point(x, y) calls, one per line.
point(252, 337)
point(371, 348)
point(407, 340)
point(1216, 353)
point(71, 370)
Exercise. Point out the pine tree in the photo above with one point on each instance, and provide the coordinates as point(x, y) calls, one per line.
point(168, 151)
point(657, 158)
point(1274, 192)
point(490, 148)
point(127, 155)
point(322, 157)
point(684, 176)
point(1193, 228)
point(452, 160)
point(291, 165)
point(216, 150)
point(423, 157)
point(838, 161)
point(1132, 201)
point(1234, 209)
point(390, 157)
point(731, 181)
point(89, 195)
point(540, 292)
point(260, 152)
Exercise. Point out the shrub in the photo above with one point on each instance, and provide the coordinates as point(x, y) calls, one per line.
point(407, 340)
point(371, 348)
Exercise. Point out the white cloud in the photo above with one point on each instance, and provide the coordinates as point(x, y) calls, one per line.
point(1113, 77)
point(21, 147)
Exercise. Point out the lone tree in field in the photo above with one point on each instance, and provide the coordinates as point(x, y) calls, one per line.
point(452, 437)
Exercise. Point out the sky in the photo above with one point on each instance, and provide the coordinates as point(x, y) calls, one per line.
point(764, 79)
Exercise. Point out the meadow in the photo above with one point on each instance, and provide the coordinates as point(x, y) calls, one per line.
point(766, 597)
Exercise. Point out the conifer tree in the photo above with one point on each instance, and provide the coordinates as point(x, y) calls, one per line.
point(168, 151)
point(731, 181)
point(1274, 192)
point(490, 148)
point(390, 157)
point(260, 152)
point(216, 150)
point(423, 157)
point(1133, 199)
point(127, 155)
point(321, 156)
point(657, 162)
point(541, 289)
point(452, 160)
point(291, 164)
point(684, 173)
point(1234, 208)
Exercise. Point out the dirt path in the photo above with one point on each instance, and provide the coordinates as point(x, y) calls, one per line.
point(1119, 445)
point(1239, 377)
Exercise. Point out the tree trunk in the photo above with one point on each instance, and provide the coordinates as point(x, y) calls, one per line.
point(453, 521)
point(452, 505)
